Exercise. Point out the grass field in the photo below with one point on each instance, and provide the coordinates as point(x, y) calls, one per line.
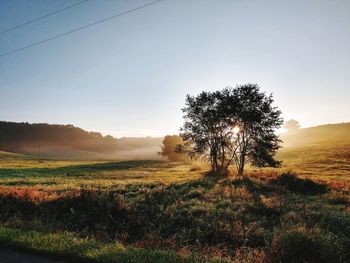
point(154, 211)
point(324, 162)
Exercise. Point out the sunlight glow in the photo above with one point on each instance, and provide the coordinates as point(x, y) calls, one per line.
point(236, 130)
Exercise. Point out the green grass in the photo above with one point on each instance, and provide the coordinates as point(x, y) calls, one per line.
point(322, 162)
point(63, 175)
point(73, 248)
point(154, 211)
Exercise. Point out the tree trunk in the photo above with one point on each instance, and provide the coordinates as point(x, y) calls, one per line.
point(214, 161)
point(240, 170)
point(223, 171)
point(241, 166)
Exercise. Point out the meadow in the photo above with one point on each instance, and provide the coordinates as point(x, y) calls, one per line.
point(323, 162)
point(159, 211)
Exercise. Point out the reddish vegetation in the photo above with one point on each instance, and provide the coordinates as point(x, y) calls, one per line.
point(263, 175)
point(345, 186)
point(214, 217)
point(28, 194)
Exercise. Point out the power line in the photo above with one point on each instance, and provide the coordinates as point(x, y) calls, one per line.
point(42, 17)
point(79, 28)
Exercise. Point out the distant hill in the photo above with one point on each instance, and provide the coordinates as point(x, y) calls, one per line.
point(323, 134)
point(317, 151)
point(70, 142)
point(26, 137)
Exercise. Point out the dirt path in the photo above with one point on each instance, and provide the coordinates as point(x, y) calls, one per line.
point(10, 256)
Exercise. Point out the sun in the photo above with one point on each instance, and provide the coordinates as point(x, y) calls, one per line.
point(236, 130)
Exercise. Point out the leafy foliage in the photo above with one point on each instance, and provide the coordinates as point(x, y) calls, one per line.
point(169, 148)
point(232, 125)
point(18, 137)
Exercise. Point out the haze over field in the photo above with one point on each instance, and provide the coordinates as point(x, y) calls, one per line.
point(69, 142)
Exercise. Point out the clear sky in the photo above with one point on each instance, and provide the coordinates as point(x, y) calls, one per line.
point(130, 76)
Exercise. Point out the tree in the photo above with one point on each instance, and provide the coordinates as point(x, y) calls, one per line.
point(169, 148)
point(232, 126)
point(291, 125)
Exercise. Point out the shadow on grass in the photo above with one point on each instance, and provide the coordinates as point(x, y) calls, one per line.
point(76, 170)
point(298, 185)
point(133, 209)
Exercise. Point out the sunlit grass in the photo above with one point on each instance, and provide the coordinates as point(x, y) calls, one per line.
point(61, 175)
point(176, 210)
point(71, 246)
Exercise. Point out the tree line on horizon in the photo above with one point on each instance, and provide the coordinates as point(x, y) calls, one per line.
point(31, 137)
point(16, 137)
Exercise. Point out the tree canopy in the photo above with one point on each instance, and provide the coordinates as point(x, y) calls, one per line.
point(15, 137)
point(292, 125)
point(169, 148)
point(232, 126)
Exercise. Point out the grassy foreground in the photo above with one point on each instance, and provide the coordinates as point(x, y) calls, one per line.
point(68, 246)
point(149, 211)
